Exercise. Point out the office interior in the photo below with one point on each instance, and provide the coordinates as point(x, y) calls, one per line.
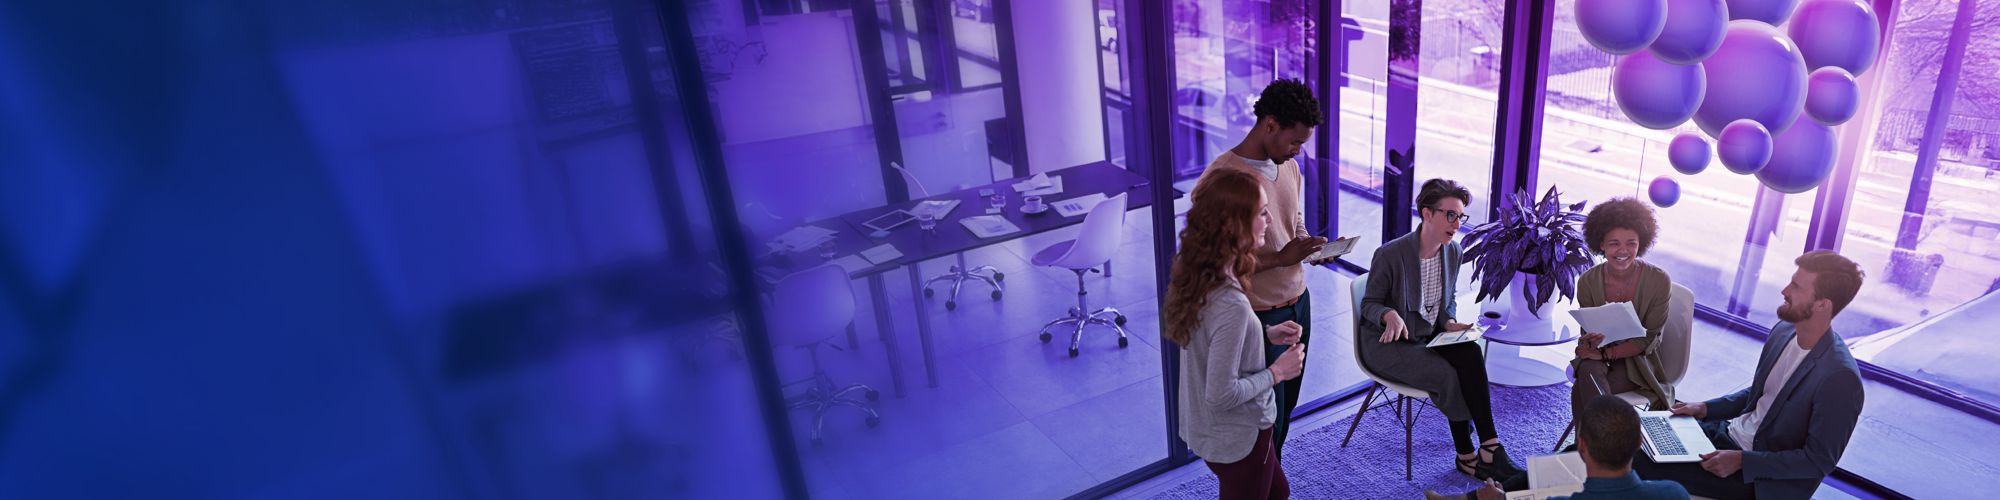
point(596, 249)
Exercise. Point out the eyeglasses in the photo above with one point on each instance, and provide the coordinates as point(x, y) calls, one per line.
point(1452, 215)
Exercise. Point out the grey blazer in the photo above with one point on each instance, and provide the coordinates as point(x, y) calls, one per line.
point(1807, 428)
point(1395, 280)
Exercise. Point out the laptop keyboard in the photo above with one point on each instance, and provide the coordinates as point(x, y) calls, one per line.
point(1665, 441)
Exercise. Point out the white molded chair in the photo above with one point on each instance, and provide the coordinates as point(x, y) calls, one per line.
point(813, 308)
point(1406, 401)
point(1102, 231)
point(1677, 338)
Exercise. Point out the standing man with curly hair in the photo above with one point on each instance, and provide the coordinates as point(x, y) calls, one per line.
point(1286, 115)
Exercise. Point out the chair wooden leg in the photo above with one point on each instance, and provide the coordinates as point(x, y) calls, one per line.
point(1357, 415)
point(1565, 435)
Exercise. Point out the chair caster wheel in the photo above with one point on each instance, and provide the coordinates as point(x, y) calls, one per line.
point(1122, 342)
point(1046, 337)
point(998, 276)
point(950, 305)
point(996, 295)
point(872, 395)
point(874, 421)
point(928, 293)
point(1072, 352)
point(1073, 311)
point(1121, 320)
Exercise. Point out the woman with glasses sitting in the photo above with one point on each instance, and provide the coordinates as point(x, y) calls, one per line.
point(1409, 300)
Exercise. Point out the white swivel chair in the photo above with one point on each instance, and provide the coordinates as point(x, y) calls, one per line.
point(961, 272)
point(811, 309)
point(1677, 344)
point(1406, 401)
point(1093, 247)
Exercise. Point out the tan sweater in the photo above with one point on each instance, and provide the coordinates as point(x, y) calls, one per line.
point(1278, 285)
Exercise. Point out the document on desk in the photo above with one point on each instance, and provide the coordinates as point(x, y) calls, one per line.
point(1079, 205)
point(1040, 182)
point(1617, 321)
point(853, 264)
point(1449, 338)
point(881, 254)
point(988, 226)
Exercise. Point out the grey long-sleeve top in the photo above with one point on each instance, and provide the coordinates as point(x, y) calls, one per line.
point(1225, 392)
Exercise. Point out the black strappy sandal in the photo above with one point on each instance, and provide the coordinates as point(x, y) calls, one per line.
point(1501, 468)
point(1471, 466)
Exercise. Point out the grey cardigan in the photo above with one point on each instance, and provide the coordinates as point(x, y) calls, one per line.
point(1225, 392)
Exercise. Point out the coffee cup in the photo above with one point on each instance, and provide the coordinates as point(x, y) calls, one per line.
point(1032, 203)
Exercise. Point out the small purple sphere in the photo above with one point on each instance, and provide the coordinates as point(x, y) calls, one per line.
point(1744, 146)
point(1664, 191)
point(1831, 95)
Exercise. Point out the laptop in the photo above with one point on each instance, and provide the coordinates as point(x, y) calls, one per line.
point(1669, 438)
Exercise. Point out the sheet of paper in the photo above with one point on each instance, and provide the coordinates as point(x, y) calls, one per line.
point(1079, 205)
point(1549, 471)
point(882, 253)
point(1039, 181)
point(1055, 187)
point(852, 263)
point(1617, 321)
point(1541, 493)
point(988, 226)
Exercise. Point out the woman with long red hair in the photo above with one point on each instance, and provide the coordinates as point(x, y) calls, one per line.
point(1226, 402)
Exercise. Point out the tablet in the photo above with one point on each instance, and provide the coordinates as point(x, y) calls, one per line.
point(890, 220)
point(1333, 249)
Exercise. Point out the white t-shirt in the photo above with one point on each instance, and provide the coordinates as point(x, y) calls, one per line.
point(1744, 428)
point(1265, 166)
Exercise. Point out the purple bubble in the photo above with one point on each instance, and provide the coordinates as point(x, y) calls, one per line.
point(1688, 153)
point(1801, 158)
point(1693, 31)
point(1771, 12)
point(1757, 74)
point(1620, 26)
point(1664, 191)
point(1744, 147)
point(1839, 33)
point(1655, 94)
point(1831, 95)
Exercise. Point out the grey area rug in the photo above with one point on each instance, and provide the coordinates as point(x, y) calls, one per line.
point(1371, 466)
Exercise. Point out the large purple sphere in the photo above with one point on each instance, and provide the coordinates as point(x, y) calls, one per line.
point(1839, 33)
point(1800, 158)
point(1620, 26)
point(1693, 31)
point(1771, 12)
point(1757, 74)
point(1654, 93)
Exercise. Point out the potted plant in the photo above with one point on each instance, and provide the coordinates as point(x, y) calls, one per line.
point(1538, 247)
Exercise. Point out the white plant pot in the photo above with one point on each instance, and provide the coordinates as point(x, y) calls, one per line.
point(1523, 324)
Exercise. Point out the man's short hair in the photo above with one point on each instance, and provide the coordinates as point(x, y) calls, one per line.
point(1837, 279)
point(1608, 428)
point(1290, 102)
